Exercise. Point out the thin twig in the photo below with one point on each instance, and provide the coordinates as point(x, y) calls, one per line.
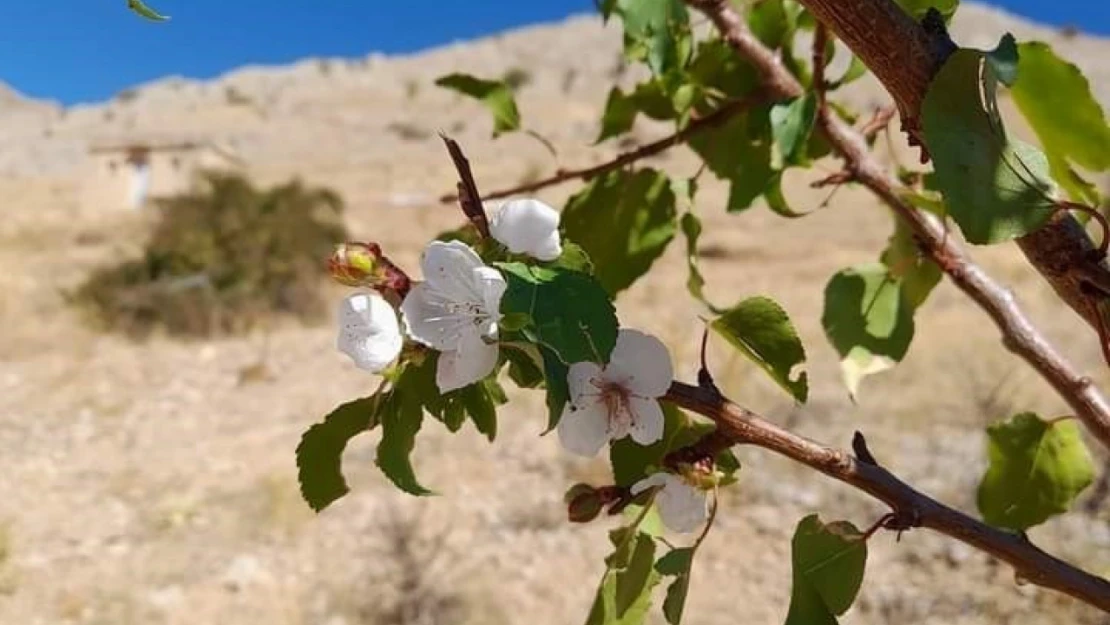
point(1019, 335)
point(725, 112)
point(820, 42)
point(877, 122)
point(910, 507)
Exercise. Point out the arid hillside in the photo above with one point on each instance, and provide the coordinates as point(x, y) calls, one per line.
point(150, 483)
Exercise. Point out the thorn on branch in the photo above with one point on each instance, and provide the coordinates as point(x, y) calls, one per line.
point(705, 378)
point(896, 521)
point(859, 447)
point(469, 199)
point(1095, 214)
point(941, 42)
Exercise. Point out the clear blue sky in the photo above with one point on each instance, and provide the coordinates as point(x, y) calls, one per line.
point(87, 50)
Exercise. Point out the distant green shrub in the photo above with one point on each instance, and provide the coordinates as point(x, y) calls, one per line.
point(221, 258)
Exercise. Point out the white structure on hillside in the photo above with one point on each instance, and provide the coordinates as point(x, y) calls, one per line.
point(128, 173)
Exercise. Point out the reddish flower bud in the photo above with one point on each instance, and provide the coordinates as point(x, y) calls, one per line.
point(584, 503)
point(362, 264)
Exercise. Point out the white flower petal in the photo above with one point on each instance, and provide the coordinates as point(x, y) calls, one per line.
point(641, 363)
point(448, 268)
point(584, 427)
point(549, 249)
point(491, 286)
point(651, 481)
point(472, 361)
point(580, 379)
point(368, 331)
point(526, 226)
point(681, 506)
point(647, 420)
point(429, 321)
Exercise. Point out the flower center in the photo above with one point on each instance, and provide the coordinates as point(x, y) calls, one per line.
point(475, 312)
point(615, 397)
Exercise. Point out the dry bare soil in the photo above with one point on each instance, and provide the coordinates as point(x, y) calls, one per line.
point(154, 483)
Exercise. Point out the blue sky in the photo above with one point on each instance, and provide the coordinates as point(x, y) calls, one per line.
point(87, 50)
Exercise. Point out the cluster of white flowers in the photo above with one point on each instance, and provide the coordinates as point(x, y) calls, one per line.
point(456, 310)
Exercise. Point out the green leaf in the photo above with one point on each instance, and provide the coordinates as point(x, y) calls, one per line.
point(867, 320)
point(631, 462)
point(762, 331)
point(996, 189)
point(855, 70)
point(1003, 60)
point(739, 152)
point(574, 258)
point(775, 199)
point(1056, 99)
point(624, 221)
point(558, 391)
point(791, 125)
point(1037, 469)
point(624, 596)
point(917, 8)
point(772, 23)
point(695, 283)
point(656, 27)
point(653, 100)
point(905, 262)
point(494, 94)
point(716, 67)
point(481, 402)
point(525, 364)
point(677, 563)
point(401, 413)
point(828, 563)
point(513, 322)
point(321, 448)
point(140, 8)
point(571, 313)
point(619, 115)
point(634, 579)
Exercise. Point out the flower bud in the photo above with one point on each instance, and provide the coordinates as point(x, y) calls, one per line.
point(362, 264)
point(584, 503)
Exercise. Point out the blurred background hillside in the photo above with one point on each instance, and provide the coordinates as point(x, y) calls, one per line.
point(148, 422)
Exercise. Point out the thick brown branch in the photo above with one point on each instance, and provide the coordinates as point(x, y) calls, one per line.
point(1018, 333)
point(743, 427)
point(904, 56)
point(696, 125)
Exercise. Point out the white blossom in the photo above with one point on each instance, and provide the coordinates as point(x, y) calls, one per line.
point(455, 311)
point(528, 227)
point(368, 331)
point(618, 400)
point(682, 507)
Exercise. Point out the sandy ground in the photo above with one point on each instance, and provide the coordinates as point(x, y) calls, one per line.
point(154, 483)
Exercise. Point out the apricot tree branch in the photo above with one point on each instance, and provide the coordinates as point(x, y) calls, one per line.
point(739, 426)
point(696, 125)
point(904, 56)
point(1019, 335)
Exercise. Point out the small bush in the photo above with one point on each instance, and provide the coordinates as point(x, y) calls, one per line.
point(517, 78)
point(221, 258)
